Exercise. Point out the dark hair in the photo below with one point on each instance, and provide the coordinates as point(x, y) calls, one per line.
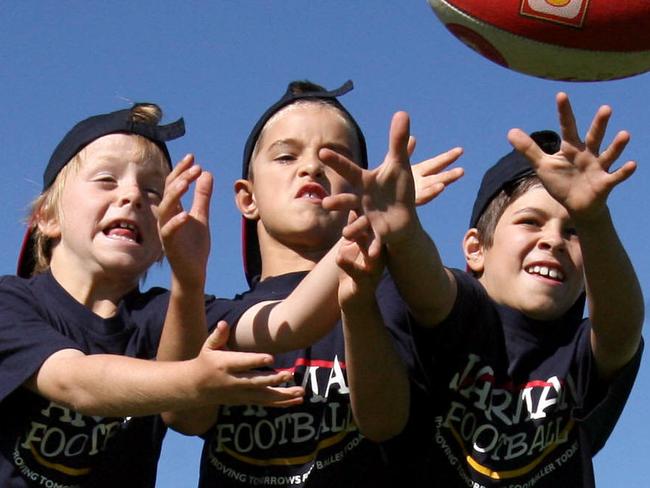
point(300, 91)
point(489, 219)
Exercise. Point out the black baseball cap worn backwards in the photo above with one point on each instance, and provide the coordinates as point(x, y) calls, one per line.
point(79, 137)
point(509, 169)
point(251, 250)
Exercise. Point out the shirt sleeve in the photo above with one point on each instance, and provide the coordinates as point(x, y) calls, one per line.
point(26, 338)
point(605, 404)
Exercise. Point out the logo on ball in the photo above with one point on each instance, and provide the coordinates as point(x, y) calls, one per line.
point(566, 12)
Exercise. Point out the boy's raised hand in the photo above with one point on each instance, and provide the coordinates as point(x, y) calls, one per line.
point(579, 175)
point(186, 235)
point(387, 193)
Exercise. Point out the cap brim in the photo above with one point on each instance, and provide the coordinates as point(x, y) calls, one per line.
point(26, 262)
point(250, 250)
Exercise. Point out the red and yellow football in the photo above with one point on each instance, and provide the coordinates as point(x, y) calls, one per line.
point(571, 40)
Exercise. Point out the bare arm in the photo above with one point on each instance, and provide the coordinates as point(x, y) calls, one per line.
point(298, 321)
point(579, 177)
point(186, 240)
point(112, 385)
point(388, 204)
point(312, 309)
point(379, 387)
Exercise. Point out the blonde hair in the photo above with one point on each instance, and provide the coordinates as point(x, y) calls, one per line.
point(47, 205)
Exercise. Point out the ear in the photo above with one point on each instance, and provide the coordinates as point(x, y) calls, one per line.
point(473, 251)
point(245, 199)
point(48, 225)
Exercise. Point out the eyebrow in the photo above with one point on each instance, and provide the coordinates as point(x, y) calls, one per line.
point(529, 210)
point(339, 148)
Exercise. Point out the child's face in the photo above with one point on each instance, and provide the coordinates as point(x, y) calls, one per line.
point(107, 215)
point(290, 181)
point(535, 263)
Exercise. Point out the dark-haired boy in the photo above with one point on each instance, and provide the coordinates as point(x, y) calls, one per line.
point(522, 390)
point(292, 310)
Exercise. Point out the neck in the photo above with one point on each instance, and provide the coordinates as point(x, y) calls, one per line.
point(278, 259)
point(98, 291)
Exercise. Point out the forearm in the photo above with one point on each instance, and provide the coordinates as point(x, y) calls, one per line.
point(616, 307)
point(426, 286)
point(378, 381)
point(185, 329)
point(111, 385)
point(298, 321)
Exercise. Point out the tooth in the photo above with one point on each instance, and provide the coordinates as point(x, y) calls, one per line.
point(543, 271)
point(536, 269)
point(552, 273)
point(560, 275)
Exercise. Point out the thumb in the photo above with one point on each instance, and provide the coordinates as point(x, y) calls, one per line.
point(219, 337)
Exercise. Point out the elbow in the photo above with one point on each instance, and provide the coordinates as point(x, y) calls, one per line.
point(381, 428)
point(190, 423)
point(382, 432)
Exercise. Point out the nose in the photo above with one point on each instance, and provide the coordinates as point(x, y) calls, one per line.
point(130, 194)
point(552, 240)
point(313, 168)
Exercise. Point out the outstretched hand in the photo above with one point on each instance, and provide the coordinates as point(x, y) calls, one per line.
point(578, 176)
point(387, 192)
point(186, 235)
point(233, 378)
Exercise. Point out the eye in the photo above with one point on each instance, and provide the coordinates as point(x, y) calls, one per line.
point(569, 232)
point(284, 158)
point(154, 193)
point(529, 222)
point(105, 180)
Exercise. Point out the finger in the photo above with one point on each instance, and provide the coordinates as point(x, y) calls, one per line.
point(410, 147)
point(436, 164)
point(245, 362)
point(398, 139)
point(427, 188)
point(181, 166)
point(568, 126)
point(345, 167)
point(219, 337)
point(375, 246)
point(272, 396)
point(173, 224)
point(342, 201)
point(202, 196)
point(596, 132)
point(355, 229)
point(622, 173)
point(523, 143)
point(427, 192)
point(174, 191)
point(263, 378)
point(615, 149)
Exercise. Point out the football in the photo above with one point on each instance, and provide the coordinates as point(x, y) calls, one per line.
point(569, 40)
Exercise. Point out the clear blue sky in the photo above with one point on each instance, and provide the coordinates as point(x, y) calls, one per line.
point(220, 63)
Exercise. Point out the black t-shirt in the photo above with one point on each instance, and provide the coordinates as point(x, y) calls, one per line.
point(505, 400)
point(45, 444)
point(316, 444)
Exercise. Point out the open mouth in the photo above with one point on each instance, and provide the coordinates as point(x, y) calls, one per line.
point(311, 191)
point(123, 230)
point(546, 272)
